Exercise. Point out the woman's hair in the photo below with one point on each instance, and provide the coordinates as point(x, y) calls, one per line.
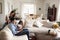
point(13, 11)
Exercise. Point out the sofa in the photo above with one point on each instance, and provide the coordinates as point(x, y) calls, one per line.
point(40, 31)
point(6, 34)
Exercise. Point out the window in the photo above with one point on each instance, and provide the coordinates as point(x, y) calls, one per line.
point(28, 9)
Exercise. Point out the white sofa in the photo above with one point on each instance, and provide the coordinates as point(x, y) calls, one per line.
point(6, 34)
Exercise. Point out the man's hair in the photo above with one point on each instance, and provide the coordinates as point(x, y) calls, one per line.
point(20, 22)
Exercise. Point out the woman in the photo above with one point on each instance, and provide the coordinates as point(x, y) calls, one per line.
point(12, 15)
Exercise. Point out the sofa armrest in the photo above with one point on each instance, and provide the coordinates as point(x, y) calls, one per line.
point(4, 35)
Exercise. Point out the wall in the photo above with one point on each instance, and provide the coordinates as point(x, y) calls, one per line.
point(17, 5)
point(8, 5)
point(2, 17)
point(50, 2)
point(58, 13)
point(39, 4)
point(5, 10)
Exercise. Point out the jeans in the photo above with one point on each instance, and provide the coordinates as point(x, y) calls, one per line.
point(3, 26)
point(23, 32)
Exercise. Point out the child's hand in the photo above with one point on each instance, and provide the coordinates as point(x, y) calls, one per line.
point(20, 27)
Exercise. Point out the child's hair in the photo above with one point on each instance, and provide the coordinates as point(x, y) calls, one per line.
point(20, 22)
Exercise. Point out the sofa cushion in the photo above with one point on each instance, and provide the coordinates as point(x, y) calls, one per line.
point(38, 23)
point(47, 23)
point(23, 37)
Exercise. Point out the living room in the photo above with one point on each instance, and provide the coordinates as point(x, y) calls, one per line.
point(33, 11)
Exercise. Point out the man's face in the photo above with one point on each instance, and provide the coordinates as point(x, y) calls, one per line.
point(14, 21)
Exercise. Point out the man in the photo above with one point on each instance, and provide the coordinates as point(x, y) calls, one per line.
point(17, 31)
point(7, 20)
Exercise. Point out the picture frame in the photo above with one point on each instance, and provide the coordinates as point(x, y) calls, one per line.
point(0, 8)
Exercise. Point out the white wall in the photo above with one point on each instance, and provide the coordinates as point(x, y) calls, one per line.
point(8, 4)
point(51, 2)
point(39, 4)
point(5, 10)
point(17, 5)
point(2, 17)
point(58, 12)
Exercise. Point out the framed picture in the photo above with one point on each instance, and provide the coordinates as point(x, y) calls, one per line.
point(0, 8)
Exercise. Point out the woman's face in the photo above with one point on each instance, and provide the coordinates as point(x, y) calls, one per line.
point(12, 14)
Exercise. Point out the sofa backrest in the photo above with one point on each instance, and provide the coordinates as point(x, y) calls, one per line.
point(47, 23)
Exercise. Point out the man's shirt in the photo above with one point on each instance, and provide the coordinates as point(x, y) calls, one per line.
point(13, 28)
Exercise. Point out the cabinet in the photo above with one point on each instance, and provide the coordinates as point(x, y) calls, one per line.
point(51, 15)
